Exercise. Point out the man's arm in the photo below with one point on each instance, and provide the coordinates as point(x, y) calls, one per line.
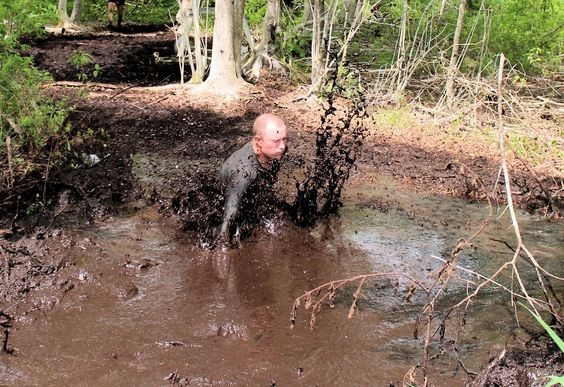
point(237, 186)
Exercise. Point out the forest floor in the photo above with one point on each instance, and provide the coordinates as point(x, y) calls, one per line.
point(136, 105)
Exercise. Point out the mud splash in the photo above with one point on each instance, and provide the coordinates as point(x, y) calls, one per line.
point(337, 145)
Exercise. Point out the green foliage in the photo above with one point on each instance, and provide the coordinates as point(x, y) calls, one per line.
point(554, 380)
point(135, 11)
point(547, 328)
point(395, 117)
point(24, 17)
point(84, 65)
point(533, 147)
point(31, 123)
point(295, 43)
point(529, 32)
point(31, 119)
point(255, 11)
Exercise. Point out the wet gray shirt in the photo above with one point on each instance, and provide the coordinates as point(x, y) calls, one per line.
point(244, 178)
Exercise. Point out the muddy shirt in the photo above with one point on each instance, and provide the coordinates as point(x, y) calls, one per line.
point(246, 182)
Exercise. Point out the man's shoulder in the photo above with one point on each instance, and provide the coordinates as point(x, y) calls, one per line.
point(242, 160)
point(244, 154)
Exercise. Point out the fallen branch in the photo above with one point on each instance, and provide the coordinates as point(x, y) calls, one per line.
point(314, 298)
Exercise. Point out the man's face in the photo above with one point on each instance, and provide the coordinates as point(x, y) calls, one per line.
point(272, 141)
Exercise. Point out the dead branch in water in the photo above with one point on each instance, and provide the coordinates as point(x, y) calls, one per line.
point(315, 298)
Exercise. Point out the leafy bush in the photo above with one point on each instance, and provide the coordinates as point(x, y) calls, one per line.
point(33, 126)
point(529, 32)
point(24, 17)
point(255, 11)
point(32, 123)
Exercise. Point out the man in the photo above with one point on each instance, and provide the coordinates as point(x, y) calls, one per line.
point(112, 6)
point(251, 170)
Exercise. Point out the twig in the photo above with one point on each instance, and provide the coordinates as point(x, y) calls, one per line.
point(41, 234)
point(546, 192)
point(489, 280)
point(313, 300)
point(12, 124)
point(6, 275)
point(10, 170)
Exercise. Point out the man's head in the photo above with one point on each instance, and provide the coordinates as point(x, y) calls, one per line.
point(270, 137)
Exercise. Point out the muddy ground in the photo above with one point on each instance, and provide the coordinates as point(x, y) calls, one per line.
point(134, 106)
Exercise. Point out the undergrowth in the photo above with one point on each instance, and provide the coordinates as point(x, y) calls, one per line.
point(34, 128)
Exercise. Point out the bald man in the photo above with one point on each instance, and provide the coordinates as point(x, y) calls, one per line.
point(252, 169)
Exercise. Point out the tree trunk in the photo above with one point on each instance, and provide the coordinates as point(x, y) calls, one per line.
point(271, 26)
point(316, 44)
point(66, 21)
point(323, 22)
point(200, 52)
point(453, 66)
point(307, 12)
point(76, 11)
point(261, 51)
point(238, 15)
point(442, 10)
point(185, 20)
point(223, 77)
point(401, 50)
point(358, 17)
point(63, 13)
point(350, 7)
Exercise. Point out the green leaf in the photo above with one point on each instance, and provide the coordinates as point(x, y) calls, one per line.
point(548, 329)
point(555, 380)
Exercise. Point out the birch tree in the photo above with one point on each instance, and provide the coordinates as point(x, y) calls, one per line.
point(188, 16)
point(332, 32)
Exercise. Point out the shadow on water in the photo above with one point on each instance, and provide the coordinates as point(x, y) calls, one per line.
point(152, 305)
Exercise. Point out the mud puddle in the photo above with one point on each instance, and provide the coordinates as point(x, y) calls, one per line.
point(151, 308)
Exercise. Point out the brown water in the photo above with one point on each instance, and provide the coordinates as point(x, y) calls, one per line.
point(151, 303)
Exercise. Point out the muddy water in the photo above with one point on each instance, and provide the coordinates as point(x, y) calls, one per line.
point(148, 303)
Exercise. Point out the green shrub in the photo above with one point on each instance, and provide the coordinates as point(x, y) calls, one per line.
point(85, 66)
point(135, 11)
point(529, 33)
point(24, 17)
point(35, 123)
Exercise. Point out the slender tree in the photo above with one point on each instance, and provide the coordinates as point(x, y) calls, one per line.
point(188, 16)
point(317, 44)
point(453, 65)
point(261, 52)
